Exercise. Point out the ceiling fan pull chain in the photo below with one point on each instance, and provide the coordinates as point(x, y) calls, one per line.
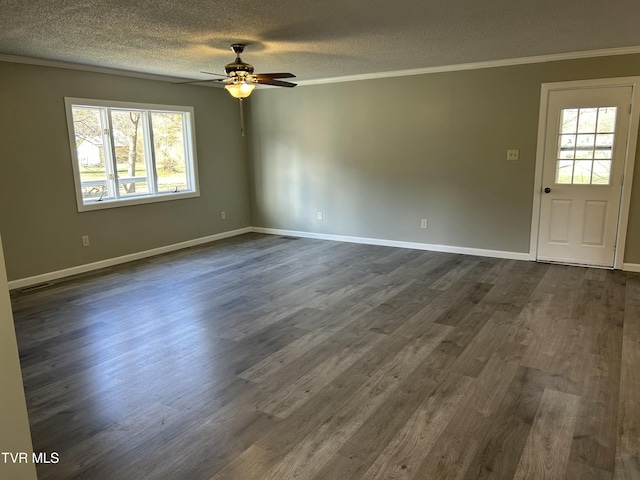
point(241, 118)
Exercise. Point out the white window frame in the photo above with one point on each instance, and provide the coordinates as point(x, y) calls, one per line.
point(153, 196)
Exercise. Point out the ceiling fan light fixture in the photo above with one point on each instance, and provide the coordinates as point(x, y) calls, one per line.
point(240, 89)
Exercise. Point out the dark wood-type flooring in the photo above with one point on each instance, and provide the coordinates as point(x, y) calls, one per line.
point(265, 357)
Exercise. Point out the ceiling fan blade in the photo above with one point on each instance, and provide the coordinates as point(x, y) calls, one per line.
point(274, 75)
point(200, 81)
point(218, 74)
point(197, 81)
point(276, 83)
point(242, 73)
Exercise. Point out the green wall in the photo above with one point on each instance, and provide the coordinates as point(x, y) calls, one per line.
point(377, 156)
point(39, 220)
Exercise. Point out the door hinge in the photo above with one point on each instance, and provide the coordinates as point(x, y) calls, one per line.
point(622, 180)
point(630, 108)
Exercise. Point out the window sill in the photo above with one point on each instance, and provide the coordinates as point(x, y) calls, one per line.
point(104, 204)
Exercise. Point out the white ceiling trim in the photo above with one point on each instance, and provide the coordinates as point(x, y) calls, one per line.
point(347, 78)
point(42, 62)
point(478, 65)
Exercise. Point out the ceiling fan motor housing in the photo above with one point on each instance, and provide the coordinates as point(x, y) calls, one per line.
point(238, 67)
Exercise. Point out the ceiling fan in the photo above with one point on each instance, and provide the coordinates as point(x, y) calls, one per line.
point(240, 79)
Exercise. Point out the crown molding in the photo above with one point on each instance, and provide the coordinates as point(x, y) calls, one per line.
point(478, 65)
point(606, 52)
point(43, 62)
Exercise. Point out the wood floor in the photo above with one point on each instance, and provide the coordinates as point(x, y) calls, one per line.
point(263, 357)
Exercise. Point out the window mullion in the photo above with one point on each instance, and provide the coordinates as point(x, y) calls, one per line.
point(152, 175)
point(112, 149)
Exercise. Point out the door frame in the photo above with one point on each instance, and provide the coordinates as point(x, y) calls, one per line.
point(629, 161)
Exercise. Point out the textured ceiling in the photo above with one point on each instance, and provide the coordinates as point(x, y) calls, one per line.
point(312, 39)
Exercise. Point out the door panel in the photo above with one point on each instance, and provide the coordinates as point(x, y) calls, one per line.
point(559, 223)
point(595, 223)
point(585, 149)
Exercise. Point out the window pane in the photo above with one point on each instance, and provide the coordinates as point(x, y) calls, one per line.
point(604, 145)
point(564, 171)
point(567, 141)
point(601, 172)
point(88, 129)
point(582, 172)
point(584, 153)
point(603, 153)
point(604, 140)
point(584, 148)
point(607, 119)
point(569, 120)
point(170, 151)
point(587, 120)
point(586, 140)
point(566, 147)
point(128, 137)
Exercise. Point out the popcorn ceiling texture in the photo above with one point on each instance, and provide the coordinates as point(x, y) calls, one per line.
point(312, 39)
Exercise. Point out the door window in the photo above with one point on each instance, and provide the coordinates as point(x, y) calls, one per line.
point(585, 146)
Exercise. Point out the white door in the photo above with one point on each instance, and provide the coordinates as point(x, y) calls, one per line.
point(585, 148)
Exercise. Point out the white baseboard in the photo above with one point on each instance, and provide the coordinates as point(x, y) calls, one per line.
point(394, 243)
point(67, 272)
point(480, 252)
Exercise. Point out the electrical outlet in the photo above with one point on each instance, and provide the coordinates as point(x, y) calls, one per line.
point(85, 240)
point(320, 215)
point(223, 215)
point(424, 223)
point(513, 154)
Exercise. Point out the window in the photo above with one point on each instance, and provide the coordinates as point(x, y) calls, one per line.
point(126, 153)
point(585, 146)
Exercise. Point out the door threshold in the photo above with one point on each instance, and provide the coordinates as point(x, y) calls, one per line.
point(570, 264)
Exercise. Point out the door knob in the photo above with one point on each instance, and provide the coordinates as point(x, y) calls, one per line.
point(547, 190)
